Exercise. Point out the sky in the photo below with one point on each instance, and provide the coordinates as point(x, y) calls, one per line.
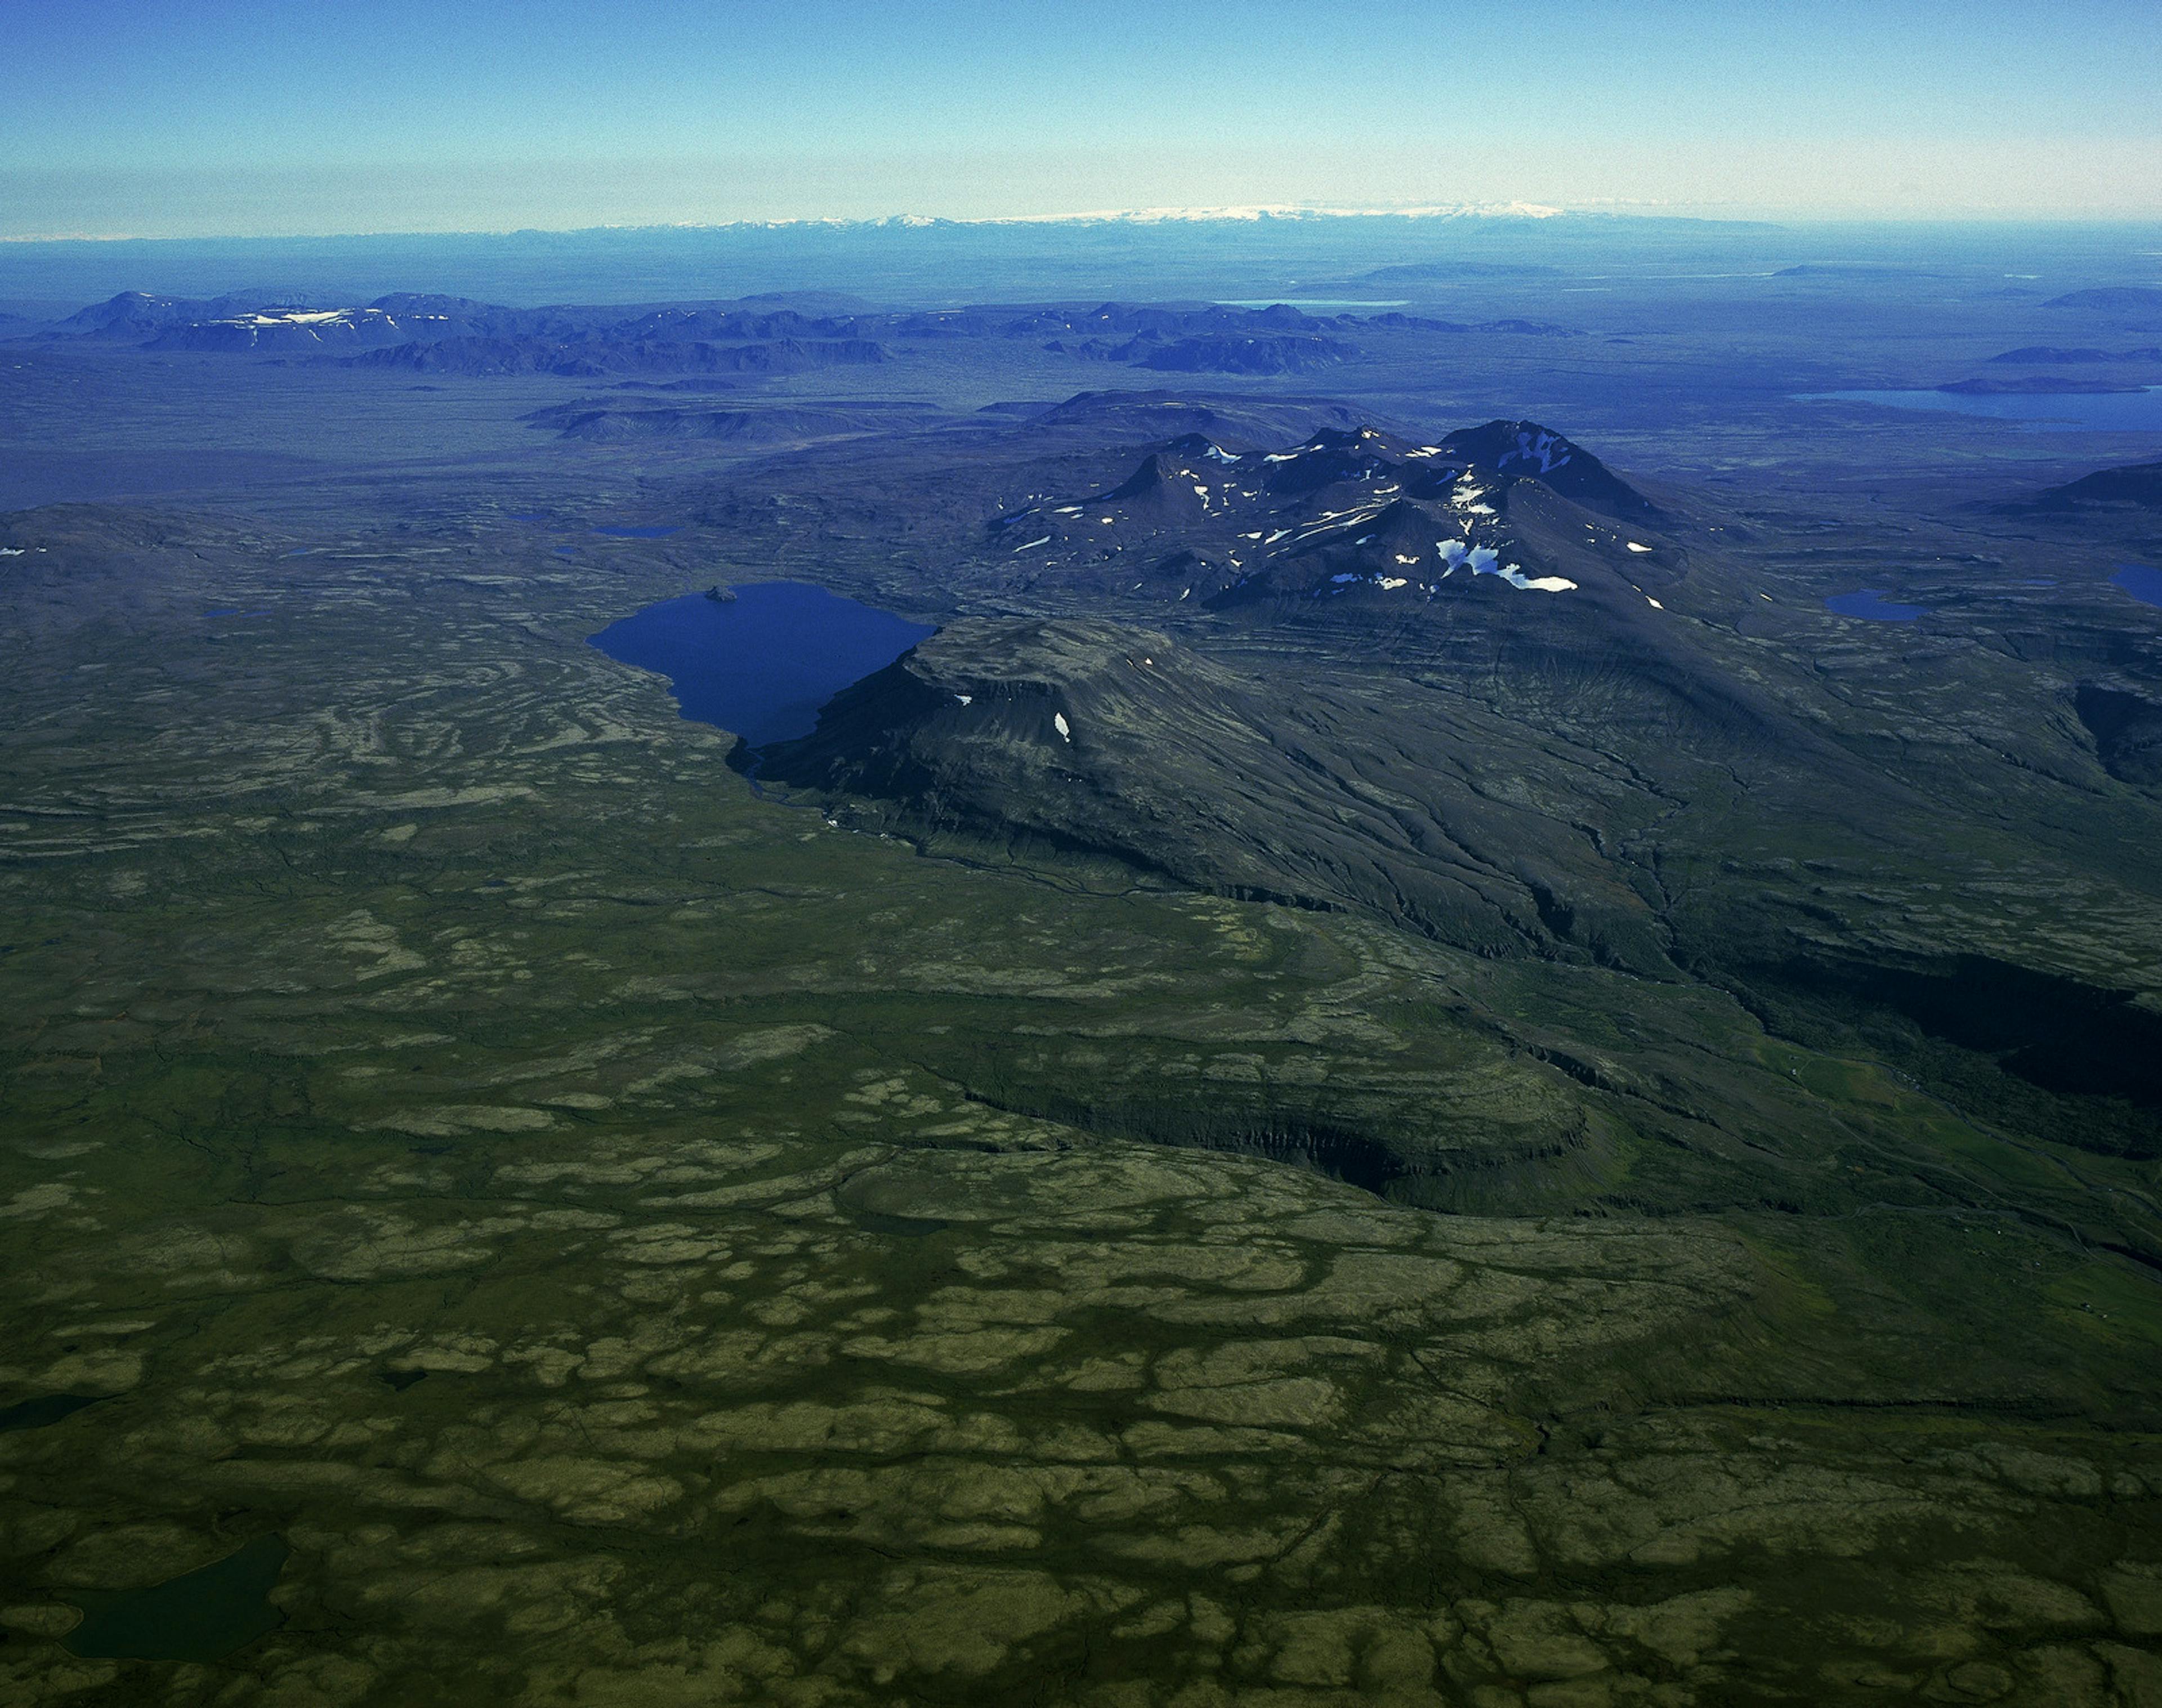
point(167, 118)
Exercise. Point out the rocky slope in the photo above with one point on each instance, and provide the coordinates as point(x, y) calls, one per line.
point(1485, 688)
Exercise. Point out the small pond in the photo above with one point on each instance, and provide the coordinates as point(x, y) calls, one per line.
point(198, 1615)
point(1874, 603)
point(2142, 581)
point(43, 1412)
point(760, 664)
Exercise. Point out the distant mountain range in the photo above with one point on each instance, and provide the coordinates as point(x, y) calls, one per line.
point(1244, 215)
point(453, 335)
point(435, 334)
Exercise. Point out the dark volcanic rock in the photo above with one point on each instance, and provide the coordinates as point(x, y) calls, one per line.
point(1356, 512)
point(1525, 450)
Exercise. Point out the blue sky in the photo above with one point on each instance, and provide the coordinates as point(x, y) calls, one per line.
point(157, 118)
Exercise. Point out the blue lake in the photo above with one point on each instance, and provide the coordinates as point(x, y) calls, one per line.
point(2100, 412)
point(1871, 603)
point(763, 663)
point(2142, 583)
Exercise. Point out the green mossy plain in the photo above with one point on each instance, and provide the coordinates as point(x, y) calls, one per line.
point(637, 1242)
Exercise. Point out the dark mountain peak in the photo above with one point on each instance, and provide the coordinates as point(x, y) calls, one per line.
point(1162, 479)
point(1146, 481)
point(1517, 446)
point(1283, 317)
point(1199, 448)
point(130, 311)
point(1334, 454)
point(1400, 516)
point(1513, 451)
point(1354, 514)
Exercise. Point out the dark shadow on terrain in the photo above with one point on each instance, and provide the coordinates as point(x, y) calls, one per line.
point(43, 1412)
point(1553, 1171)
point(2126, 730)
point(200, 1616)
point(1341, 1153)
point(2082, 1065)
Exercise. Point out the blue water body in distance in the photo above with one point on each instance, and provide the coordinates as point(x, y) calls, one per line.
point(2094, 412)
point(1871, 603)
point(763, 663)
point(2143, 583)
point(638, 533)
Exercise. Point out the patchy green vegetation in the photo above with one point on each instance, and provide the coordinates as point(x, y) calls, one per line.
point(626, 1239)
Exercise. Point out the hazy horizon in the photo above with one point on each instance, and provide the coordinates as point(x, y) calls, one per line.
point(1250, 214)
point(1160, 256)
point(279, 120)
